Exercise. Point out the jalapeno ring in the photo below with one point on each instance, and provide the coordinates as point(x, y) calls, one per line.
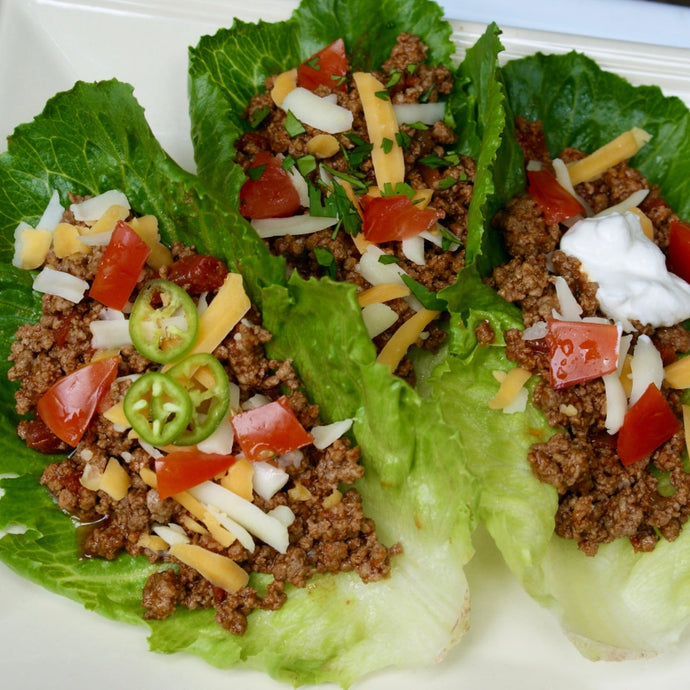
point(158, 408)
point(164, 321)
point(206, 382)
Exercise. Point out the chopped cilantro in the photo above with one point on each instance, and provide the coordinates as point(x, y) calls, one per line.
point(424, 295)
point(255, 172)
point(354, 178)
point(424, 98)
point(288, 162)
point(388, 259)
point(434, 161)
point(663, 481)
point(387, 145)
point(324, 257)
point(292, 125)
point(403, 139)
point(383, 95)
point(313, 62)
point(395, 77)
point(306, 164)
point(258, 116)
point(447, 182)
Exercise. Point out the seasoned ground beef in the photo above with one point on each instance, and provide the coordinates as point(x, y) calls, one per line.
point(411, 80)
point(600, 499)
point(330, 533)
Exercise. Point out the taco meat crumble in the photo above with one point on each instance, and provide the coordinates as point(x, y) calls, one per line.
point(600, 498)
point(330, 532)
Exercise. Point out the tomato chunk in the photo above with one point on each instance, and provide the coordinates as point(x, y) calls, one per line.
point(580, 351)
point(647, 424)
point(271, 429)
point(556, 203)
point(269, 191)
point(329, 66)
point(68, 406)
point(679, 249)
point(389, 218)
point(120, 267)
point(182, 470)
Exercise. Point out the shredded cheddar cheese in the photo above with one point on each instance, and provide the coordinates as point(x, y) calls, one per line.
point(615, 151)
point(383, 292)
point(511, 385)
point(382, 127)
point(677, 374)
point(282, 85)
point(394, 350)
point(216, 568)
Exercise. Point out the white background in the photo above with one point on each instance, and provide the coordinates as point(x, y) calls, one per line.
point(45, 45)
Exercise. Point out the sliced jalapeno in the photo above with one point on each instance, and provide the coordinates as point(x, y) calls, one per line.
point(158, 408)
point(206, 382)
point(164, 321)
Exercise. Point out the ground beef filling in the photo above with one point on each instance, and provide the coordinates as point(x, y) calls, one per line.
point(599, 498)
point(330, 533)
point(420, 81)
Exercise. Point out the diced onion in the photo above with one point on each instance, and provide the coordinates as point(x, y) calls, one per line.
point(283, 514)
point(171, 534)
point(300, 185)
point(647, 367)
point(255, 401)
point(413, 249)
point(633, 201)
point(427, 113)
point(317, 112)
point(377, 318)
point(93, 208)
point(293, 225)
point(268, 479)
point(60, 284)
point(221, 439)
point(570, 309)
point(536, 331)
point(326, 434)
point(52, 214)
point(616, 402)
point(109, 333)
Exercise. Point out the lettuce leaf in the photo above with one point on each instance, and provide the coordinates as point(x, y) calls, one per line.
point(618, 604)
point(95, 137)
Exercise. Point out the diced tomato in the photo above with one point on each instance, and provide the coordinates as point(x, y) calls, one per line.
point(329, 66)
point(679, 249)
point(269, 191)
point(389, 218)
point(647, 424)
point(68, 406)
point(120, 267)
point(556, 203)
point(181, 470)
point(271, 429)
point(580, 351)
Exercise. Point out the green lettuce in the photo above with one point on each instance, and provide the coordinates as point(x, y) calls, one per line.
point(618, 604)
point(95, 137)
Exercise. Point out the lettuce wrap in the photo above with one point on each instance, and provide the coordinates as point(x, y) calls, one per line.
point(94, 138)
point(617, 604)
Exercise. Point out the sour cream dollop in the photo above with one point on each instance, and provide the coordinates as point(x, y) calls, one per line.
point(634, 283)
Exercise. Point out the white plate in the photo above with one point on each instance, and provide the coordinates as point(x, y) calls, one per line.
point(48, 641)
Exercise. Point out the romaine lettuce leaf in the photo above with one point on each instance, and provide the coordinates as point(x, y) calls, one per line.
point(93, 138)
point(618, 604)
